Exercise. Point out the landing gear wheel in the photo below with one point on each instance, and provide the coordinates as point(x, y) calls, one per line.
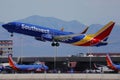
point(53, 44)
point(57, 44)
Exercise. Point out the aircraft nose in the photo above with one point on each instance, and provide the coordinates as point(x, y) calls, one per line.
point(4, 26)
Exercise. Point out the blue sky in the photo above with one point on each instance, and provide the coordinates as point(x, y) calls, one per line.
point(85, 11)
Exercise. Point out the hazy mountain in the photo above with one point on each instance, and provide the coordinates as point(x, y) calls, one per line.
point(54, 23)
point(28, 46)
point(1, 23)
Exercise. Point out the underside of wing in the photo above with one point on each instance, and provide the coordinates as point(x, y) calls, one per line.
point(65, 37)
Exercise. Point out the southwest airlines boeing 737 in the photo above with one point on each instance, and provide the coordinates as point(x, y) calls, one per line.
point(56, 36)
point(28, 68)
point(111, 65)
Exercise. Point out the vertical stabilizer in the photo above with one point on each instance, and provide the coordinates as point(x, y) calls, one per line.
point(110, 63)
point(11, 62)
point(104, 32)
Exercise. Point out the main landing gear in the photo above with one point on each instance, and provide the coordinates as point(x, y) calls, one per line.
point(55, 44)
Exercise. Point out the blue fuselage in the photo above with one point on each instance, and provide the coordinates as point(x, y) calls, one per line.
point(33, 67)
point(39, 31)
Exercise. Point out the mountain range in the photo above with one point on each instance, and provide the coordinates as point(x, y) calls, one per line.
point(28, 46)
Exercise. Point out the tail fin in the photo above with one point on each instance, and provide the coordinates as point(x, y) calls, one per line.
point(11, 62)
point(104, 32)
point(109, 61)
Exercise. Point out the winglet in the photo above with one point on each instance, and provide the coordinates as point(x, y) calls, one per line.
point(95, 66)
point(85, 30)
point(62, 29)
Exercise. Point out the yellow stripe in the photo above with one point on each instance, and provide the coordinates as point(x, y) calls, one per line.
point(86, 39)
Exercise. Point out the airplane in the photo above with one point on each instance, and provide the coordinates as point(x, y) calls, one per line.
point(111, 65)
point(26, 68)
point(55, 36)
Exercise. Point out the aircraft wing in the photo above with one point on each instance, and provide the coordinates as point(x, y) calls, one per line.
point(65, 37)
